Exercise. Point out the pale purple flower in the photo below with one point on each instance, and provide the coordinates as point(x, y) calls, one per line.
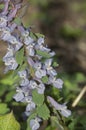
point(34, 123)
point(30, 49)
point(33, 84)
point(22, 74)
point(19, 96)
point(40, 41)
point(11, 63)
point(5, 34)
point(24, 82)
point(40, 46)
point(39, 73)
point(50, 70)
point(41, 88)
point(62, 108)
point(28, 40)
point(57, 83)
point(38, 65)
point(31, 62)
point(30, 106)
point(3, 22)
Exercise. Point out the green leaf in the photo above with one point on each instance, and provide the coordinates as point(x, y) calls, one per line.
point(43, 54)
point(43, 112)
point(45, 79)
point(38, 99)
point(20, 56)
point(39, 35)
point(55, 64)
point(17, 21)
point(32, 35)
point(9, 96)
point(3, 108)
point(55, 123)
point(8, 122)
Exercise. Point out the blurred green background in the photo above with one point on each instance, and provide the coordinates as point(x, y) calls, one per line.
point(63, 22)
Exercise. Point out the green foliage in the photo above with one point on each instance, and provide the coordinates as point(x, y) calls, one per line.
point(43, 54)
point(20, 56)
point(43, 112)
point(55, 64)
point(67, 31)
point(55, 123)
point(17, 21)
point(38, 99)
point(45, 79)
point(3, 108)
point(8, 122)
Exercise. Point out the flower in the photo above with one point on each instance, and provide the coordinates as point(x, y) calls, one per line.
point(30, 49)
point(62, 108)
point(18, 97)
point(49, 68)
point(34, 123)
point(11, 63)
point(3, 21)
point(57, 83)
point(39, 72)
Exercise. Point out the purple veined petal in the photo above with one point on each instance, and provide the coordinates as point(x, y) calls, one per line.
point(31, 50)
point(22, 74)
point(54, 103)
point(11, 62)
point(58, 83)
point(27, 99)
point(24, 82)
point(40, 73)
point(27, 91)
point(52, 72)
point(40, 41)
point(34, 124)
point(13, 40)
point(38, 65)
point(65, 112)
point(33, 84)
point(30, 106)
point(48, 63)
point(28, 40)
point(22, 30)
point(3, 21)
point(5, 34)
point(18, 97)
point(31, 62)
point(18, 46)
point(13, 12)
point(12, 26)
point(41, 88)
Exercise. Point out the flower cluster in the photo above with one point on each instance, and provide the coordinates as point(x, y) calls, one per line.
point(38, 69)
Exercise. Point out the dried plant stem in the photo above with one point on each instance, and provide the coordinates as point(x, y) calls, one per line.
point(79, 97)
